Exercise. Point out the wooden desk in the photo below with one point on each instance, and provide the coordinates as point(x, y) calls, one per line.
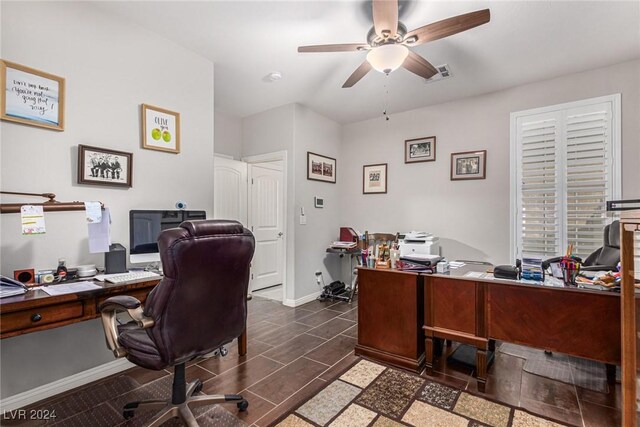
point(390, 317)
point(400, 314)
point(38, 311)
point(580, 322)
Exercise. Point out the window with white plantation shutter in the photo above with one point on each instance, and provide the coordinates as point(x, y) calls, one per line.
point(565, 166)
point(538, 204)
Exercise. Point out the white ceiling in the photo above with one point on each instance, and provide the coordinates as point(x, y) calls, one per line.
point(525, 41)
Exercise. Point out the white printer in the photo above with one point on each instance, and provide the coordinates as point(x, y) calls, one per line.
point(419, 242)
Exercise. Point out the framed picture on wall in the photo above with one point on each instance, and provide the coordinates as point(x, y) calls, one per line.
point(31, 97)
point(101, 166)
point(321, 168)
point(374, 179)
point(160, 129)
point(468, 165)
point(420, 150)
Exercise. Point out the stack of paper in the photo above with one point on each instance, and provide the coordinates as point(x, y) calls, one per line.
point(456, 264)
point(9, 291)
point(10, 287)
point(343, 245)
point(532, 269)
point(70, 288)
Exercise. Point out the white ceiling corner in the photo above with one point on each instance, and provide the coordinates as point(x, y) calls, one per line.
point(525, 41)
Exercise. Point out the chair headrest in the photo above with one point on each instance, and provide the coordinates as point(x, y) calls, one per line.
point(207, 227)
point(614, 234)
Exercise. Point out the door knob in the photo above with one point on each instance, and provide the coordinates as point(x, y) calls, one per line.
point(280, 234)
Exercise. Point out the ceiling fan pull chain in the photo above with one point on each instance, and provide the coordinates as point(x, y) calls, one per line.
point(386, 98)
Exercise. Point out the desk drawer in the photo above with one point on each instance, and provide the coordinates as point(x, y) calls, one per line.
point(35, 317)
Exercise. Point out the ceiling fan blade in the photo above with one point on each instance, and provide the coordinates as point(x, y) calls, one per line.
point(420, 66)
point(347, 47)
point(447, 27)
point(385, 17)
point(359, 73)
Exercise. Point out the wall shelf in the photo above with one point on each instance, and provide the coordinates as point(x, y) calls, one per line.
point(51, 205)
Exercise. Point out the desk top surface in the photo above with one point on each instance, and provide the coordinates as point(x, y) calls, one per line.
point(38, 296)
point(461, 273)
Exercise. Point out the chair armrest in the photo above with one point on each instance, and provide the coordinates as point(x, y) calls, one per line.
point(110, 308)
point(124, 300)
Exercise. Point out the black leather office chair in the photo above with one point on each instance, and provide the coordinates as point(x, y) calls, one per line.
point(608, 256)
point(200, 305)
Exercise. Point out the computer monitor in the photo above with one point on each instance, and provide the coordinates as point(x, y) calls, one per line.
point(145, 227)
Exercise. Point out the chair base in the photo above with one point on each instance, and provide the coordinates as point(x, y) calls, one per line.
point(170, 410)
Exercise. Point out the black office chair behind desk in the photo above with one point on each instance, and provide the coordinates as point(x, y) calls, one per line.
point(608, 256)
point(200, 305)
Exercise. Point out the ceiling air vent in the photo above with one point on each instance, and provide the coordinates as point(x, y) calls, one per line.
point(444, 72)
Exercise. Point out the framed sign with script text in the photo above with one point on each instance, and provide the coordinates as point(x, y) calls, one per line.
point(160, 129)
point(374, 179)
point(31, 97)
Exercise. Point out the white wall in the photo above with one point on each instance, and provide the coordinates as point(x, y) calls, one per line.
point(267, 132)
point(471, 217)
point(111, 67)
point(297, 129)
point(228, 135)
point(320, 135)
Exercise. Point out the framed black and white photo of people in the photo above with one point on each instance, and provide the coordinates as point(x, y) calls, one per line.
point(469, 165)
point(101, 166)
point(321, 168)
point(420, 150)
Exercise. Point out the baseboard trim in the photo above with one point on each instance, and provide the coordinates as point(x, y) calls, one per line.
point(300, 301)
point(48, 390)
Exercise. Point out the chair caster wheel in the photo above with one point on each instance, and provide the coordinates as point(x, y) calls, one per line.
point(198, 387)
point(243, 405)
point(128, 411)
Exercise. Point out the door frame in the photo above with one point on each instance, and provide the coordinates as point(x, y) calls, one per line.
point(265, 158)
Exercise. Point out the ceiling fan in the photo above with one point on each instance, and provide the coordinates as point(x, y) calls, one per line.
point(388, 41)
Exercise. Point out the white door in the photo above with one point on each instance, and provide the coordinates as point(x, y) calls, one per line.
point(266, 213)
point(230, 189)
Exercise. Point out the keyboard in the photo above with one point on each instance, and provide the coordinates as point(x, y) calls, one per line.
point(127, 277)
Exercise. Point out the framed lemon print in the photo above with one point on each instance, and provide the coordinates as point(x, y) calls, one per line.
point(160, 129)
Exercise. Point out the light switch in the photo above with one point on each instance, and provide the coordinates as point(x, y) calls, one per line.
point(303, 220)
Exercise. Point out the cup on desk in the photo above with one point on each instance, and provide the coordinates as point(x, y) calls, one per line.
point(570, 270)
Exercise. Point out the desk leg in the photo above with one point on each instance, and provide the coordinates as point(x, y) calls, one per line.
point(481, 366)
point(428, 349)
point(611, 374)
point(354, 287)
point(438, 347)
point(242, 343)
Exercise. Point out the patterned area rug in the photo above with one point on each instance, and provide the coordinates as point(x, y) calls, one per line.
point(368, 394)
point(561, 367)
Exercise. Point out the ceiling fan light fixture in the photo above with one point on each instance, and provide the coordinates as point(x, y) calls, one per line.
point(388, 57)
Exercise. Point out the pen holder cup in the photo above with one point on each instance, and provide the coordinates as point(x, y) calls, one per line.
point(569, 273)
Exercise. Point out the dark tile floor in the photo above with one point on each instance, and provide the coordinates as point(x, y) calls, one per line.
point(292, 353)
